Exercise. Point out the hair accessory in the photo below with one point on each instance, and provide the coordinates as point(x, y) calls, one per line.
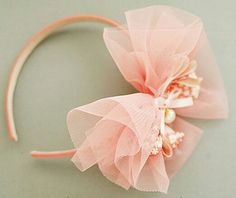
point(141, 140)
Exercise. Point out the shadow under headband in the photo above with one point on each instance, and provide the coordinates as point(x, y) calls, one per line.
point(140, 140)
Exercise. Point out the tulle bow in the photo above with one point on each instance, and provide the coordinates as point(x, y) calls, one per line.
point(140, 140)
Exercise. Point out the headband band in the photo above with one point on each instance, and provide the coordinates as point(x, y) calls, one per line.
point(26, 51)
point(18, 65)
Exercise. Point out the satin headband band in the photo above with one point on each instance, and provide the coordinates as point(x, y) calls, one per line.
point(19, 62)
point(27, 50)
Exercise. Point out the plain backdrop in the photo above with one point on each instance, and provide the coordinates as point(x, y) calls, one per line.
point(73, 67)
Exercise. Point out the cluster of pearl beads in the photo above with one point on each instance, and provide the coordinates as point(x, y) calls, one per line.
point(173, 139)
point(157, 144)
point(188, 86)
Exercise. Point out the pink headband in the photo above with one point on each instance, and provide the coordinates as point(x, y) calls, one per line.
point(141, 140)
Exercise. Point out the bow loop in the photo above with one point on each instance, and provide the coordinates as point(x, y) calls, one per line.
point(172, 101)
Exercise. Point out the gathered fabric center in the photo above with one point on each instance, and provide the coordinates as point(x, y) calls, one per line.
point(178, 93)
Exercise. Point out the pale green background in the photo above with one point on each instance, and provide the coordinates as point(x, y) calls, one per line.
point(73, 67)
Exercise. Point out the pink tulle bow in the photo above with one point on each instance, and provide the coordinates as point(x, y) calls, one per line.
point(137, 140)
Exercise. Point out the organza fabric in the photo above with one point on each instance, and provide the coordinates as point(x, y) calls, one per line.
point(115, 132)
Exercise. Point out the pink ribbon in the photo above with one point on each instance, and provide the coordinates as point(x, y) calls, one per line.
point(171, 102)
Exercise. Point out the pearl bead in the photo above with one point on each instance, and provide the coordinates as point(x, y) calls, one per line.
point(172, 138)
point(154, 151)
point(158, 143)
point(169, 116)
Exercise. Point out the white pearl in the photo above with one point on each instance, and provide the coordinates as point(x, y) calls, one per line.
point(169, 116)
point(172, 138)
